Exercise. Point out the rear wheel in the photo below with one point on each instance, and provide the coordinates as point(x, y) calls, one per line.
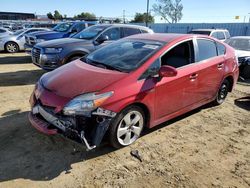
point(127, 127)
point(12, 47)
point(222, 92)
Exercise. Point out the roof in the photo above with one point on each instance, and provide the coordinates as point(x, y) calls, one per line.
point(162, 37)
point(208, 30)
point(240, 37)
point(125, 25)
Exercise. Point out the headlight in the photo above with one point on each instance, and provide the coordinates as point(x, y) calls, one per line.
point(52, 50)
point(85, 103)
point(39, 40)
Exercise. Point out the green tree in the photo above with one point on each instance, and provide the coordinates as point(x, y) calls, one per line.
point(142, 17)
point(169, 10)
point(57, 15)
point(85, 15)
point(50, 16)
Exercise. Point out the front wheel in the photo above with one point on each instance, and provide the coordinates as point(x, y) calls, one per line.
point(222, 92)
point(12, 47)
point(127, 127)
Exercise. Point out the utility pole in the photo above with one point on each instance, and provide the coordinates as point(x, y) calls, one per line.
point(147, 13)
point(124, 16)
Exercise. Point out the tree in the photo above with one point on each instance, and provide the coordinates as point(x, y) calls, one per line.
point(50, 16)
point(86, 16)
point(169, 10)
point(57, 15)
point(117, 20)
point(142, 18)
point(65, 16)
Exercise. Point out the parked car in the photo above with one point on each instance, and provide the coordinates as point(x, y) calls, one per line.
point(220, 34)
point(61, 30)
point(242, 46)
point(52, 54)
point(136, 82)
point(4, 32)
point(15, 42)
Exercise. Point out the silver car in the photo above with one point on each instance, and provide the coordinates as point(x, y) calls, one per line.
point(4, 32)
point(15, 42)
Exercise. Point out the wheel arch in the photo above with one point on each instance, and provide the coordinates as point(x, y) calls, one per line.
point(12, 42)
point(73, 54)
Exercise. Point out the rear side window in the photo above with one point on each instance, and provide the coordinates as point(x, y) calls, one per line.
point(227, 34)
point(130, 31)
point(221, 35)
point(221, 49)
point(113, 33)
point(214, 34)
point(206, 49)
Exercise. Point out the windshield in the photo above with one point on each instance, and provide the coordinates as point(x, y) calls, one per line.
point(63, 27)
point(200, 32)
point(18, 32)
point(124, 55)
point(90, 32)
point(239, 44)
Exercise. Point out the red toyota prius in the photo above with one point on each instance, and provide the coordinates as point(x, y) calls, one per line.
point(137, 82)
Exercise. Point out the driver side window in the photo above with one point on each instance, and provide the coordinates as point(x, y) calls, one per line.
point(179, 56)
point(113, 33)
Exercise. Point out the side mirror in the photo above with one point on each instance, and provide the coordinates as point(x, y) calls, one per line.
point(102, 38)
point(167, 71)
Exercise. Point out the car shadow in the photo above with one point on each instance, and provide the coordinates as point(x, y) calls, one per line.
point(24, 77)
point(15, 60)
point(28, 154)
point(243, 103)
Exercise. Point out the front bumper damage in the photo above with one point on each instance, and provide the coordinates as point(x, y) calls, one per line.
point(88, 129)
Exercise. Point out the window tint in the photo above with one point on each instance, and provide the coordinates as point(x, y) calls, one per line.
point(221, 35)
point(152, 70)
point(221, 49)
point(206, 48)
point(181, 55)
point(130, 31)
point(113, 33)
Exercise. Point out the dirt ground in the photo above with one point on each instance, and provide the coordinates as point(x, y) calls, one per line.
point(208, 147)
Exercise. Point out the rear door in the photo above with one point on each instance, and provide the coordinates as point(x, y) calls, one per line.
point(211, 67)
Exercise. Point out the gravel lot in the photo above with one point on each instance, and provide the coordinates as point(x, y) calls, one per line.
point(209, 147)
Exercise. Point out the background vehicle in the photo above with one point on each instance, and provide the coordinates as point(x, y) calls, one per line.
point(61, 30)
point(220, 34)
point(241, 44)
point(4, 32)
point(15, 42)
point(52, 54)
point(140, 81)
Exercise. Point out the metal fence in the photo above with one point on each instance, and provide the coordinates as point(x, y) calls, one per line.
point(235, 29)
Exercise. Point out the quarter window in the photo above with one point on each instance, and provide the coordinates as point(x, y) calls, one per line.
point(152, 70)
point(206, 48)
point(221, 49)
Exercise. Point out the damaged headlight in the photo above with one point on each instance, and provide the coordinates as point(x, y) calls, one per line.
point(85, 103)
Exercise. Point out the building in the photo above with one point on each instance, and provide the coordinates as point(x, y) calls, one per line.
point(16, 16)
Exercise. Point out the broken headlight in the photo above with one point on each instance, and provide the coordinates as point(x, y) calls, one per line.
point(85, 103)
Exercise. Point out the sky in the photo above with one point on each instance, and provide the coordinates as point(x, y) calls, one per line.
point(198, 11)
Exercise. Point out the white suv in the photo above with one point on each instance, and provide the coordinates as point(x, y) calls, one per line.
point(220, 34)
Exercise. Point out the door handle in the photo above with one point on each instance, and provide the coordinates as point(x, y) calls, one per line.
point(220, 65)
point(193, 76)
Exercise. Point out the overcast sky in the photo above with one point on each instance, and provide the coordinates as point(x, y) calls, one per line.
point(194, 10)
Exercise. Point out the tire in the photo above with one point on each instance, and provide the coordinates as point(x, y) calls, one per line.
point(222, 92)
point(122, 133)
point(246, 72)
point(11, 47)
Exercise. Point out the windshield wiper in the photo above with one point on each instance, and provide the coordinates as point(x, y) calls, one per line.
point(95, 63)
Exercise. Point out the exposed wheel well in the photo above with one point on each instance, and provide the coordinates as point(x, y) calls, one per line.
point(231, 81)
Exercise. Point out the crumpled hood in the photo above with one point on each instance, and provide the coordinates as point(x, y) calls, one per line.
point(77, 78)
point(61, 42)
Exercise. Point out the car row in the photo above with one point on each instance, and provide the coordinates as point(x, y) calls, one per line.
point(134, 83)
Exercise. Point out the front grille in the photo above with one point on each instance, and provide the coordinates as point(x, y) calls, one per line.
point(36, 55)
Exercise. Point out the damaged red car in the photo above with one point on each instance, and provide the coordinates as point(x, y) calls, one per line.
point(137, 82)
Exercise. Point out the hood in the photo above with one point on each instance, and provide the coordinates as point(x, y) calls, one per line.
point(78, 78)
point(242, 53)
point(61, 42)
point(48, 35)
